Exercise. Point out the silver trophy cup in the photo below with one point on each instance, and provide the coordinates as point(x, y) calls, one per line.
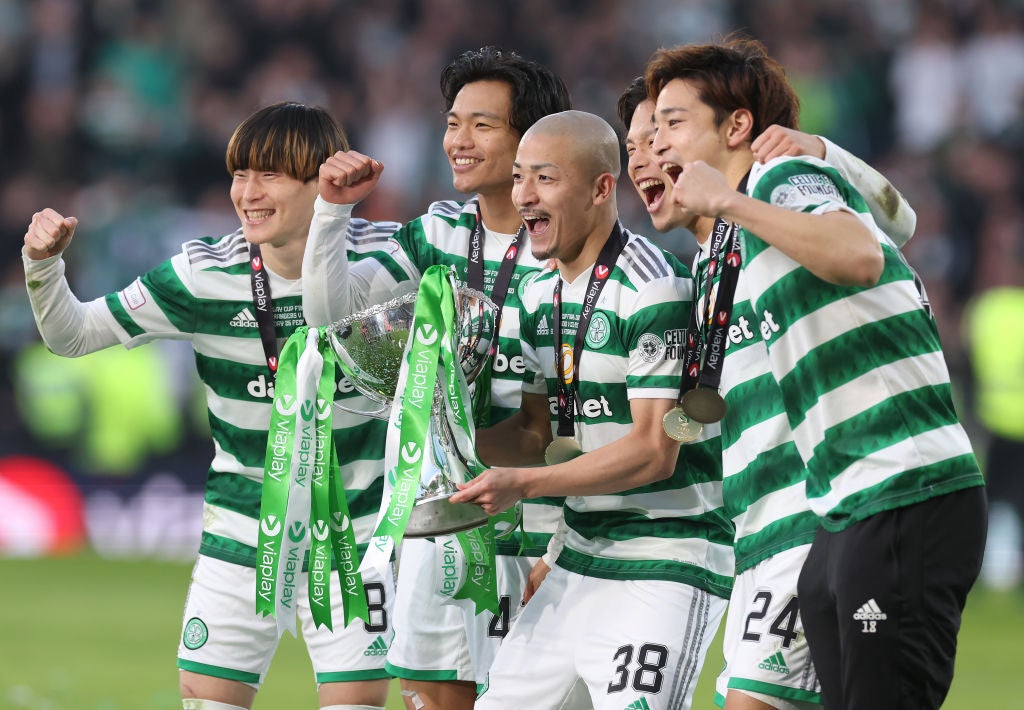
point(370, 346)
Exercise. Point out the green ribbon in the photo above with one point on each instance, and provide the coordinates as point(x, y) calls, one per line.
point(433, 320)
point(303, 504)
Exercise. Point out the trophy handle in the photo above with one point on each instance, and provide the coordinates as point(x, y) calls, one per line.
point(383, 410)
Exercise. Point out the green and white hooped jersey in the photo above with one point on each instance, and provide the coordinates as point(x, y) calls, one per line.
point(442, 236)
point(763, 474)
point(204, 295)
point(861, 370)
point(673, 530)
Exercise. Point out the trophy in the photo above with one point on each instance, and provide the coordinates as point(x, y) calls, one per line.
point(370, 346)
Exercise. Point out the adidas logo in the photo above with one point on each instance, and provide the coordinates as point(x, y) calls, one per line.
point(543, 326)
point(640, 704)
point(870, 612)
point(244, 319)
point(775, 663)
point(377, 648)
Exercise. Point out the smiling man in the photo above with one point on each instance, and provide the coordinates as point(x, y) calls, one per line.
point(767, 662)
point(633, 600)
point(853, 349)
point(236, 298)
point(491, 97)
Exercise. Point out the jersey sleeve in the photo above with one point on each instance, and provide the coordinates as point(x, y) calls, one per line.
point(351, 264)
point(654, 371)
point(68, 326)
point(890, 210)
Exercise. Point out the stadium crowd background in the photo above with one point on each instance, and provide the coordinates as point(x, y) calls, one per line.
point(118, 111)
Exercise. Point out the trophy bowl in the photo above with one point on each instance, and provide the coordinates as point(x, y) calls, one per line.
point(370, 348)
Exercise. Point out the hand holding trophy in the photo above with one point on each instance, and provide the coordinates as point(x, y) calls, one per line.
point(371, 347)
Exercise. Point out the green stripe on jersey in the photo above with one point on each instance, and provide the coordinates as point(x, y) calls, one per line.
point(204, 292)
point(675, 529)
point(861, 370)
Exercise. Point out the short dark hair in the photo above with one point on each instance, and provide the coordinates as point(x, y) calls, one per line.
point(536, 90)
point(634, 95)
point(736, 73)
point(286, 137)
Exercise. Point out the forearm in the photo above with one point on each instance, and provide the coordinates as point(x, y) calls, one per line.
point(327, 290)
point(630, 462)
point(67, 326)
point(836, 247)
point(891, 211)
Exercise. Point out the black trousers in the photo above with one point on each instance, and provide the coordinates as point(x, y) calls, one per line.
point(882, 600)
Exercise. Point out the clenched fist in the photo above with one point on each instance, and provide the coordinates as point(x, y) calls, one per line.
point(348, 177)
point(48, 234)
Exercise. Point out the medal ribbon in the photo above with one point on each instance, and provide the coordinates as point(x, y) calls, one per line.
point(712, 326)
point(500, 291)
point(567, 374)
point(259, 282)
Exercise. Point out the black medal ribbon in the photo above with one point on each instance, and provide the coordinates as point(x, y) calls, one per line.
point(475, 270)
point(259, 280)
point(707, 332)
point(598, 278)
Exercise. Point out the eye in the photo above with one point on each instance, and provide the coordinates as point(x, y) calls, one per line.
point(630, 149)
point(517, 177)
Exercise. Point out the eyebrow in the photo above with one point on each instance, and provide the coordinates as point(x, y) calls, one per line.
point(476, 114)
point(534, 166)
point(670, 109)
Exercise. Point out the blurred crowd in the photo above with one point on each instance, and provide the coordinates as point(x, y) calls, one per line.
point(118, 112)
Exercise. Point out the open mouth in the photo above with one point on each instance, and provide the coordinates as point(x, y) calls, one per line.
point(672, 170)
point(653, 190)
point(536, 225)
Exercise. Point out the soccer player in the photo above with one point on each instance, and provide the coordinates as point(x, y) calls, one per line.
point(442, 651)
point(853, 347)
point(634, 599)
point(768, 664)
point(221, 293)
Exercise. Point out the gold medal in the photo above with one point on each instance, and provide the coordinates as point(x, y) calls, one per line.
point(561, 449)
point(704, 404)
point(680, 427)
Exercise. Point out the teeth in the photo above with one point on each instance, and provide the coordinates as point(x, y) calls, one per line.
point(651, 182)
point(258, 214)
point(466, 161)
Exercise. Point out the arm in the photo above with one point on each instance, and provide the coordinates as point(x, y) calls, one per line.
point(643, 456)
point(891, 211)
point(835, 246)
point(67, 326)
point(332, 285)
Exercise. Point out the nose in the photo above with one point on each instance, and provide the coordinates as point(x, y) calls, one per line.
point(253, 188)
point(658, 143)
point(523, 193)
point(461, 137)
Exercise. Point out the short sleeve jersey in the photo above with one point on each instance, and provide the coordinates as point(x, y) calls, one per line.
point(861, 370)
point(672, 530)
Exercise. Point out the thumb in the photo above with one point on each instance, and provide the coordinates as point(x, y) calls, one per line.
point(70, 223)
point(376, 167)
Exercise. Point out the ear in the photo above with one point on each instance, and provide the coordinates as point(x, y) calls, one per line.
point(604, 188)
point(738, 127)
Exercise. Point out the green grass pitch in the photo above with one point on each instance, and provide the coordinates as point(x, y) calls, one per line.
point(91, 634)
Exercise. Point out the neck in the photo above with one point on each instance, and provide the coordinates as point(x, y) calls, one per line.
point(499, 213)
point(595, 241)
point(285, 260)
